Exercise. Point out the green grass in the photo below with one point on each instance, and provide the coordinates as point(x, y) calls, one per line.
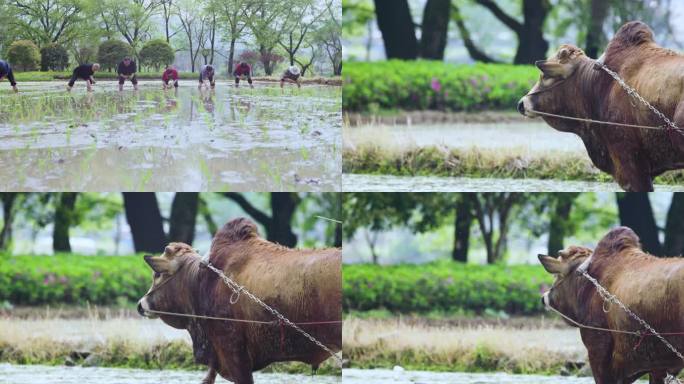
point(444, 286)
point(477, 163)
point(411, 85)
point(125, 354)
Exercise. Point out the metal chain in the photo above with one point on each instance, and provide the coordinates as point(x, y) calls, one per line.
point(632, 92)
point(610, 298)
point(238, 289)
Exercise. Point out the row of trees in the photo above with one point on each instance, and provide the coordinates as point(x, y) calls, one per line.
point(532, 23)
point(68, 210)
point(301, 31)
point(559, 215)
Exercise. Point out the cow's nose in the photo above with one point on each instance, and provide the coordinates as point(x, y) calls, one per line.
point(141, 311)
point(521, 107)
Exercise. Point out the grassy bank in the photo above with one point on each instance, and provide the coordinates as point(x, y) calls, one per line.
point(45, 337)
point(480, 163)
point(433, 85)
point(444, 286)
point(416, 345)
point(104, 75)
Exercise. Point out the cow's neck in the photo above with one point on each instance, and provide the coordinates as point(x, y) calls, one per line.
point(592, 90)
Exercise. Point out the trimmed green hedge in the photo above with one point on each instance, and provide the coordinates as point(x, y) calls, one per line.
point(67, 278)
point(445, 286)
point(420, 85)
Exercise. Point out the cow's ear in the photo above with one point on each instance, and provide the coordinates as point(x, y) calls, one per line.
point(551, 264)
point(158, 264)
point(550, 68)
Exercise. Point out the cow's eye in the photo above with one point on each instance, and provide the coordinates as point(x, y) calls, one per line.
point(157, 274)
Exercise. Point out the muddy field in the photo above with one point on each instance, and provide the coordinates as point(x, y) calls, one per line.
point(230, 139)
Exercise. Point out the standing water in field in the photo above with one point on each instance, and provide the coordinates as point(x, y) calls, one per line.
point(230, 139)
point(28, 374)
point(383, 376)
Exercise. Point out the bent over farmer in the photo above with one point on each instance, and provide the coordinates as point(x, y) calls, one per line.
point(206, 73)
point(6, 71)
point(84, 72)
point(126, 71)
point(170, 74)
point(291, 75)
point(243, 70)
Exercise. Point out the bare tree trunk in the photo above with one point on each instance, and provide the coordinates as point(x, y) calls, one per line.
point(183, 217)
point(596, 39)
point(559, 219)
point(64, 213)
point(636, 212)
point(145, 220)
point(398, 31)
point(8, 200)
point(464, 220)
point(231, 55)
point(435, 25)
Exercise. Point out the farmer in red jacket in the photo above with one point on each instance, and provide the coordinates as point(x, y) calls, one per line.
point(241, 71)
point(170, 74)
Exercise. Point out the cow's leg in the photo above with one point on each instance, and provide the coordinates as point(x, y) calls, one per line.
point(657, 377)
point(600, 350)
point(632, 172)
point(678, 138)
point(210, 377)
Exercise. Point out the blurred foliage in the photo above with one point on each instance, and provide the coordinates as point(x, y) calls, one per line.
point(355, 15)
point(69, 278)
point(445, 286)
point(421, 85)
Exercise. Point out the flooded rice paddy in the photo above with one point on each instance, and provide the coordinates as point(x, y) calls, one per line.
point(383, 183)
point(383, 376)
point(226, 139)
point(29, 374)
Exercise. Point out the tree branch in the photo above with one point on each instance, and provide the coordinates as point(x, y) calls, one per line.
point(501, 15)
point(248, 207)
point(476, 53)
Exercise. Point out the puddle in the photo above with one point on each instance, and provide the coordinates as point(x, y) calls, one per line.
point(227, 139)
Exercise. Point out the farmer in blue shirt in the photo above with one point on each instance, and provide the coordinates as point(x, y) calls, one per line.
point(207, 73)
point(6, 71)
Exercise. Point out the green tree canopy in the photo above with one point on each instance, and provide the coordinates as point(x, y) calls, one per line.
point(156, 53)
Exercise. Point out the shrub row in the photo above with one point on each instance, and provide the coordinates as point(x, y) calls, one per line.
point(444, 287)
point(24, 55)
point(420, 85)
point(34, 280)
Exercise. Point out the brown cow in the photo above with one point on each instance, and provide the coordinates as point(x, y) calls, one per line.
point(572, 84)
point(304, 285)
point(651, 287)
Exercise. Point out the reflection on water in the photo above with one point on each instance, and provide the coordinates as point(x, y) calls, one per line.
point(382, 376)
point(185, 139)
point(29, 374)
point(383, 183)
